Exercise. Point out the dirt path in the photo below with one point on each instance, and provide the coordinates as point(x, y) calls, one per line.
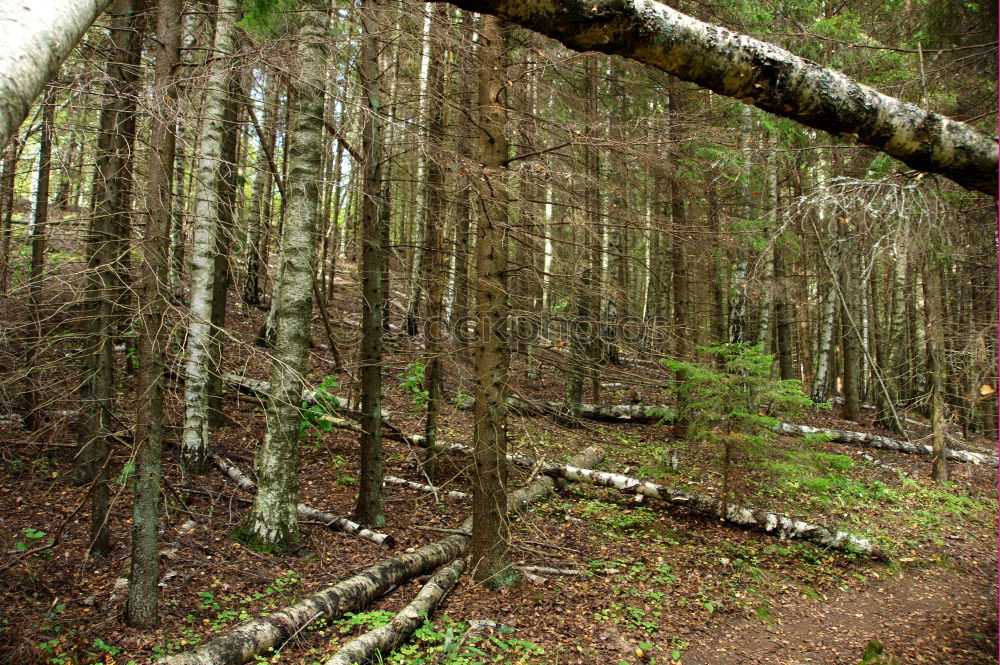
point(923, 615)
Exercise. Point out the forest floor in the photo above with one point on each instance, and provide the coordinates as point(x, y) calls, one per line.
point(659, 584)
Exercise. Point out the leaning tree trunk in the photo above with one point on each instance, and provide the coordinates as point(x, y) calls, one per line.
point(763, 75)
point(490, 530)
point(272, 524)
point(141, 609)
point(36, 38)
point(204, 242)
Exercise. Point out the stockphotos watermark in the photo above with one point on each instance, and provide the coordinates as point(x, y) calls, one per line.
point(531, 330)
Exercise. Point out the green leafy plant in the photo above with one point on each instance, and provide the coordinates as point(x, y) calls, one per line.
point(875, 654)
point(31, 534)
point(413, 383)
point(325, 404)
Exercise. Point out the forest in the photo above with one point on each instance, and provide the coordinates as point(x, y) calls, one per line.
point(495, 331)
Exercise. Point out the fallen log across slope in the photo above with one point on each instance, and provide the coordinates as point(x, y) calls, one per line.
point(885, 443)
point(256, 636)
point(613, 413)
point(337, 522)
point(388, 637)
point(765, 521)
point(642, 414)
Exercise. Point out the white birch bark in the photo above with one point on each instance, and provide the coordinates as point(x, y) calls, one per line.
point(272, 523)
point(637, 413)
point(388, 637)
point(751, 518)
point(421, 487)
point(195, 439)
point(825, 345)
point(761, 74)
point(885, 443)
point(330, 520)
point(36, 38)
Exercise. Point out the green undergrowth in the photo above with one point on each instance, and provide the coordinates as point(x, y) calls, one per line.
point(443, 641)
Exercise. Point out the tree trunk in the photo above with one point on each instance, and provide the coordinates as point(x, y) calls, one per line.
point(204, 245)
point(36, 38)
point(259, 207)
point(141, 609)
point(228, 166)
point(435, 202)
point(849, 341)
point(10, 161)
point(764, 75)
point(751, 518)
point(390, 636)
point(679, 251)
point(272, 524)
point(177, 215)
point(111, 201)
point(783, 313)
point(38, 231)
point(490, 530)
point(374, 223)
point(935, 368)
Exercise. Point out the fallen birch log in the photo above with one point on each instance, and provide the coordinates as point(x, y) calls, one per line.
point(614, 413)
point(397, 631)
point(879, 463)
point(421, 487)
point(885, 443)
point(760, 520)
point(260, 388)
point(256, 636)
point(330, 520)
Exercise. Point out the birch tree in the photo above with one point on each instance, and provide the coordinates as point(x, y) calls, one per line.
point(36, 38)
point(204, 242)
point(272, 524)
